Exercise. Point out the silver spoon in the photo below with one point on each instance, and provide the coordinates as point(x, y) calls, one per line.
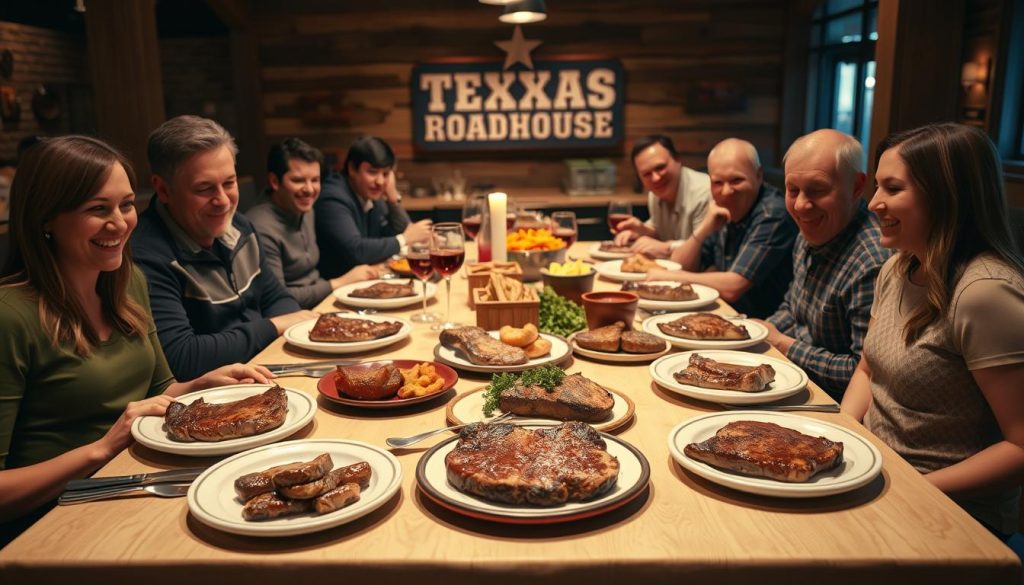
point(164, 490)
point(399, 442)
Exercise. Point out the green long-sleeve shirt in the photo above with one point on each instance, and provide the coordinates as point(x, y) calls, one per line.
point(53, 400)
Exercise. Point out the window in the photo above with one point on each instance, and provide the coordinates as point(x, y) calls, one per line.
point(841, 80)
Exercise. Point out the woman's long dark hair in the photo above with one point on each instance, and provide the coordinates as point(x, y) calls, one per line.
point(55, 176)
point(957, 170)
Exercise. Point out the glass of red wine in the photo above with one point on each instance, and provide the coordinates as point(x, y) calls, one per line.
point(563, 226)
point(473, 215)
point(423, 268)
point(447, 252)
point(618, 211)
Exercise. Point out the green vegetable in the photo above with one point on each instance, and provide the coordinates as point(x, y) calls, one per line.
point(547, 377)
point(559, 315)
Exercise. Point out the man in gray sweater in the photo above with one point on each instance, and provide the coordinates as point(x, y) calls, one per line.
point(286, 224)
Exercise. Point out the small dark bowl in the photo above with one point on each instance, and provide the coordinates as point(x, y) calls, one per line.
point(607, 307)
point(570, 287)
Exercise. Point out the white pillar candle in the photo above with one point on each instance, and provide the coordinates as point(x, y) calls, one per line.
point(498, 203)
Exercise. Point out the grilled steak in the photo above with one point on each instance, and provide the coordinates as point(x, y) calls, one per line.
point(368, 383)
point(384, 290)
point(269, 506)
point(601, 339)
point(201, 421)
point(358, 473)
point(331, 327)
point(480, 348)
point(337, 498)
point(544, 467)
point(576, 398)
point(661, 292)
point(767, 450)
point(610, 247)
point(708, 373)
point(704, 326)
point(638, 263)
point(641, 342)
point(253, 484)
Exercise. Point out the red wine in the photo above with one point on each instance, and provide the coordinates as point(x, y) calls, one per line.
point(471, 225)
point(566, 234)
point(447, 262)
point(484, 252)
point(420, 265)
point(615, 218)
point(510, 220)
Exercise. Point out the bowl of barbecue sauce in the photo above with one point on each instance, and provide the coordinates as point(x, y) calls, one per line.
point(607, 307)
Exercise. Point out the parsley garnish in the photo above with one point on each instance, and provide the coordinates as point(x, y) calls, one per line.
point(547, 377)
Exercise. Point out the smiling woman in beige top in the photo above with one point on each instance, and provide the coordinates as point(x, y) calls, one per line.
point(942, 375)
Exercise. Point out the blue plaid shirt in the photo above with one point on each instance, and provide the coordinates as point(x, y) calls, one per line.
point(758, 248)
point(828, 306)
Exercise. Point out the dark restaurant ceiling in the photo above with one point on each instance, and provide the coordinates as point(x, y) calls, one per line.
point(174, 18)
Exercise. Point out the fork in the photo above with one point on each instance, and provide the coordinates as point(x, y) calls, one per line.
point(399, 442)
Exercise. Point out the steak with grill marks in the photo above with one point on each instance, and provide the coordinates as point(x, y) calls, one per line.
point(384, 290)
point(576, 398)
point(767, 450)
point(202, 421)
point(480, 348)
point(603, 338)
point(661, 292)
point(706, 326)
point(331, 327)
point(708, 373)
point(544, 467)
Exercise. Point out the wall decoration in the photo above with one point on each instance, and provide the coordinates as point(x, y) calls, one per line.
point(519, 103)
point(10, 108)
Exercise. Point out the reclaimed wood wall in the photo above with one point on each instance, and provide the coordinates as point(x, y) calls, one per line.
point(332, 71)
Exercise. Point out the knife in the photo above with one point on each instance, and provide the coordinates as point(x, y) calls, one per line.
point(277, 368)
point(139, 479)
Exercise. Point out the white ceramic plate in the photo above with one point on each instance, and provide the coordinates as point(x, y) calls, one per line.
point(789, 379)
point(595, 252)
point(612, 269)
point(616, 357)
point(149, 430)
point(758, 333)
point(298, 335)
point(705, 296)
point(861, 460)
point(344, 294)
point(469, 408)
point(212, 499)
point(432, 478)
point(559, 351)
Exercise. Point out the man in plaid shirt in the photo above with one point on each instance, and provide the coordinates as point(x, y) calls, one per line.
point(822, 321)
point(744, 244)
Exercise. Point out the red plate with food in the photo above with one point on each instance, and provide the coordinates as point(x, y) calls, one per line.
point(388, 383)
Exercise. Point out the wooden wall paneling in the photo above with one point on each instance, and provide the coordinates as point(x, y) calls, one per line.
point(124, 62)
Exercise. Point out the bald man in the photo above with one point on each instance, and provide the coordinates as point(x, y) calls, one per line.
point(822, 321)
point(744, 244)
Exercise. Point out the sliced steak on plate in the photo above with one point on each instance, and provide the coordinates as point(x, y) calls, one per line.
point(202, 421)
point(544, 467)
point(704, 326)
point(332, 328)
point(661, 292)
point(576, 398)
point(480, 348)
point(605, 338)
point(641, 342)
point(708, 373)
point(767, 450)
point(384, 290)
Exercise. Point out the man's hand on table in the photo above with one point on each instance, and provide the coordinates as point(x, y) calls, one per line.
point(776, 338)
point(651, 247)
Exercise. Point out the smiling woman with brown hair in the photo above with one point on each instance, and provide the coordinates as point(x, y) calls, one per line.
point(943, 364)
point(79, 356)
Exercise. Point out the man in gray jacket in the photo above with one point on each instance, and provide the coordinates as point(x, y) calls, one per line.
point(286, 227)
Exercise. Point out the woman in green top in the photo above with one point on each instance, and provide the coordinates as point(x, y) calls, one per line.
point(79, 355)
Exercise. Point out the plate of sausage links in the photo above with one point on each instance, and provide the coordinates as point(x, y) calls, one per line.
point(295, 487)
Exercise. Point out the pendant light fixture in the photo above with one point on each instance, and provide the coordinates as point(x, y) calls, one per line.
point(524, 11)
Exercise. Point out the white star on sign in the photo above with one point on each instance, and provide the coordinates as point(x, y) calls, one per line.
point(518, 49)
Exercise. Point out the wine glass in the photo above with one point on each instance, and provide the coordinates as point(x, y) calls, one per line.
point(447, 251)
point(421, 266)
point(563, 226)
point(618, 211)
point(473, 214)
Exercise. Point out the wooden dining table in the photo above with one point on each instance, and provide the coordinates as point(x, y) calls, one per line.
point(681, 529)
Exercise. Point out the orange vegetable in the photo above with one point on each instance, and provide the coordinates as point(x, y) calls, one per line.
point(531, 239)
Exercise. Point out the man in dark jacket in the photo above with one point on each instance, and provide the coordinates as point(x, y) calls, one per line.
point(214, 302)
point(359, 217)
